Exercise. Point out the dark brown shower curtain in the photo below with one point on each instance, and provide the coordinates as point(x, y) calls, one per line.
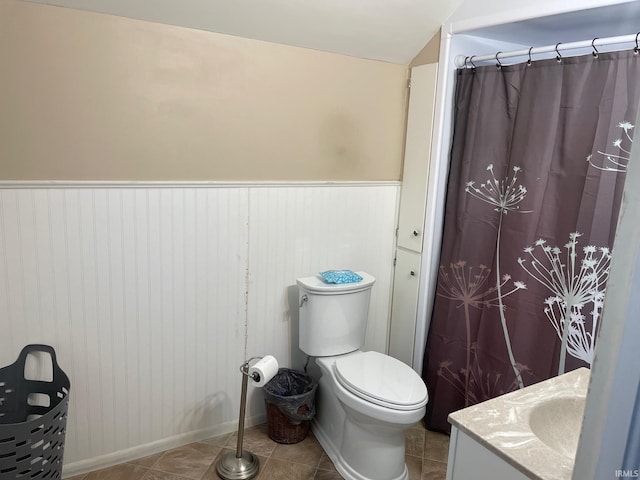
point(538, 162)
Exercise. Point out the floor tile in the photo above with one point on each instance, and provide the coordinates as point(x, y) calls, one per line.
point(156, 475)
point(327, 475)
point(419, 425)
point(414, 442)
point(125, 471)
point(307, 452)
point(255, 440)
point(190, 461)
point(414, 466)
point(326, 463)
point(432, 470)
point(281, 470)
point(436, 446)
point(426, 459)
point(147, 461)
point(212, 473)
point(219, 441)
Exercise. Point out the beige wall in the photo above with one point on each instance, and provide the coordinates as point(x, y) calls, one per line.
point(95, 97)
point(430, 53)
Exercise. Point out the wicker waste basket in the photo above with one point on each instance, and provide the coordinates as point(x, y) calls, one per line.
point(33, 418)
point(290, 400)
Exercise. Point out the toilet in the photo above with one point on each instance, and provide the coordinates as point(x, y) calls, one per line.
point(365, 400)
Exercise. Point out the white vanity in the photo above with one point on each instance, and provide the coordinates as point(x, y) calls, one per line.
point(527, 434)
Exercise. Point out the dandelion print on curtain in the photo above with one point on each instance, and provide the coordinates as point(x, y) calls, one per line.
point(538, 162)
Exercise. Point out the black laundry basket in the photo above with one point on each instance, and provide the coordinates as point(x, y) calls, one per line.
point(290, 401)
point(33, 419)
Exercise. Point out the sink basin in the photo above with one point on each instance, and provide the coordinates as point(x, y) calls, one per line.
point(557, 422)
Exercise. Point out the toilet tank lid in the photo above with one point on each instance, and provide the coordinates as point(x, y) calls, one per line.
point(317, 284)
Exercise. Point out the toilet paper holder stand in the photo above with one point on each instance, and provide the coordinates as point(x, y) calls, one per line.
point(241, 465)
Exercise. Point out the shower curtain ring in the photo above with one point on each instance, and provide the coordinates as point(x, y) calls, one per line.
point(498, 64)
point(637, 49)
point(529, 61)
point(595, 50)
point(473, 65)
point(558, 56)
point(466, 60)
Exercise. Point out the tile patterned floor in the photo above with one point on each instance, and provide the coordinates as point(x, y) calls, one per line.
point(426, 457)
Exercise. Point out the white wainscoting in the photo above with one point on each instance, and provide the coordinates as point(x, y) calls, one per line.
point(153, 295)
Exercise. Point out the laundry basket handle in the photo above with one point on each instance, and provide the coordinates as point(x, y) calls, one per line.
point(58, 375)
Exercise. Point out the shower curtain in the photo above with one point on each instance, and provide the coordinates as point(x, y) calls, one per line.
point(538, 161)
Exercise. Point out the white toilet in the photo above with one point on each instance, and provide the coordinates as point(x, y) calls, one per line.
point(365, 400)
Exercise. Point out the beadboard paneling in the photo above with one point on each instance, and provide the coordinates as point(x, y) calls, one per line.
point(297, 232)
point(152, 296)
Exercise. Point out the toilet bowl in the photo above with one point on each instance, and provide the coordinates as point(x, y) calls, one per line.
point(365, 399)
point(362, 427)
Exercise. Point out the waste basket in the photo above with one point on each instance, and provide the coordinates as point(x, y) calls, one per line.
point(290, 401)
point(33, 419)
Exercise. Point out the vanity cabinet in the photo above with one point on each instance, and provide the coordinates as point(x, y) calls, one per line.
point(469, 459)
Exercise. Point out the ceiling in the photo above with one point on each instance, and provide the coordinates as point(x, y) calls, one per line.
point(596, 22)
point(388, 30)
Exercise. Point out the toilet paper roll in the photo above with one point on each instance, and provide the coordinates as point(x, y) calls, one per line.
point(265, 368)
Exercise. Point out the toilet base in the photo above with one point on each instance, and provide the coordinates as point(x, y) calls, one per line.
point(342, 466)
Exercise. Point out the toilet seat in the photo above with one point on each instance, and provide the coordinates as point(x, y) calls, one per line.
point(382, 380)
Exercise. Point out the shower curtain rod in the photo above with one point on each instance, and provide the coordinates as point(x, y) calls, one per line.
point(461, 60)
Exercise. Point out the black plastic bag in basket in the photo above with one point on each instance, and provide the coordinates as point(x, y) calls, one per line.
point(293, 392)
point(33, 419)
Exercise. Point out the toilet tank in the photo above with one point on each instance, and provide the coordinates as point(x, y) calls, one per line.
point(333, 317)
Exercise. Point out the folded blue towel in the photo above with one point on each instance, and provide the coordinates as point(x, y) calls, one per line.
point(341, 276)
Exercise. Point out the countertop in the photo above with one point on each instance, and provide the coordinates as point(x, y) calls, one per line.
point(502, 425)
